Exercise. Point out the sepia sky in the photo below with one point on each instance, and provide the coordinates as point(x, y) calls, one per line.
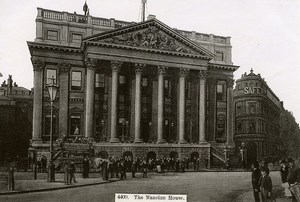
point(265, 34)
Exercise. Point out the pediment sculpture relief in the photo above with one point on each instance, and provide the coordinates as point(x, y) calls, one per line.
point(152, 38)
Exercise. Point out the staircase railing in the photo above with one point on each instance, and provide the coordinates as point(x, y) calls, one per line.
point(218, 154)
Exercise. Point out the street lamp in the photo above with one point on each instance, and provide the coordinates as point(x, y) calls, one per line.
point(243, 153)
point(52, 90)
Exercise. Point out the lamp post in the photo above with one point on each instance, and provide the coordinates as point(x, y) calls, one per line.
point(52, 90)
point(243, 153)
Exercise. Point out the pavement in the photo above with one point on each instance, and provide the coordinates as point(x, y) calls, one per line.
point(25, 184)
point(40, 185)
point(278, 192)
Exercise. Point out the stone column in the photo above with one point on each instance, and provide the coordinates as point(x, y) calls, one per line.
point(137, 103)
point(202, 100)
point(181, 105)
point(160, 104)
point(89, 97)
point(115, 66)
point(229, 108)
point(38, 68)
point(64, 70)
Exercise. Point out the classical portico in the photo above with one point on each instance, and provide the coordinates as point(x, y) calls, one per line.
point(148, 49)
point(143, 89)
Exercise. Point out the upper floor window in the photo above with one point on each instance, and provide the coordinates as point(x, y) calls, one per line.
point(76, 81)
point(51, 76)
point(239, 108)
point(221, 91)
point(122, 79)
point(188, 90)
point(52, 35)
point(144, 82)
point(219, 56)
point(167, 88)
point(100, 79)
point(252, 107)
point(76, 38)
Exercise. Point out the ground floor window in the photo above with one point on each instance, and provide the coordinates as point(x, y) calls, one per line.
point(75, 128)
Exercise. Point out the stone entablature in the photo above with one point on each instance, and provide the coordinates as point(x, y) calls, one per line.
point(67, 27)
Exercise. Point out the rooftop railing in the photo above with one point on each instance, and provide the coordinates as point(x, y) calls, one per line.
point(74, 17)
point(103, 22)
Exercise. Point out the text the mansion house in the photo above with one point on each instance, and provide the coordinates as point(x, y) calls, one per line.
point(132, 87)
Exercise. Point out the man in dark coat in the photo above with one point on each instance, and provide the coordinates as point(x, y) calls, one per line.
point(72, 169)
point(265, 185)
point(284, 171)
point(293, 175)
point(85, 167)
point(256, 174)
point(134, 168)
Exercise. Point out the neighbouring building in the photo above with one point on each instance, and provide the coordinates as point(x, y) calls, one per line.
point(257, 119)
point(138, 89)
point(15, 120)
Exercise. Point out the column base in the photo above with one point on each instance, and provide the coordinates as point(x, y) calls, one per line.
point(183, 141)
point(161, 141)
point(114, 140)
point(138, 141)
point(203, 142)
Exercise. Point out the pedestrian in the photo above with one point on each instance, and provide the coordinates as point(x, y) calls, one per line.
point(256, 174)
point(123, 170)
point(39, 165)
point(284, 171)
point(72, 170)
point(144, 168)
point(265, 184)
point(133, 168)
point(85, 167)
point(293, 176)
point(104, 169)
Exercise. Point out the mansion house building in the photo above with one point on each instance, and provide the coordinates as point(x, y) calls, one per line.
point(142, 89)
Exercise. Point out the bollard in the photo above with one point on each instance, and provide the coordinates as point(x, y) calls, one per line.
point(11, 180)
point(34, 171)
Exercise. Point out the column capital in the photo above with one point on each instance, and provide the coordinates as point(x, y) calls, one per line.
point(230, 83)
point(162, 70)
point(64, 68)
point(183, 72)
point(139, 67)
point(115, 65)
point(90, 63)
point(203, 74)
point(38, 65)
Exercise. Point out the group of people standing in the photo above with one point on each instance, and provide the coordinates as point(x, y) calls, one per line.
point(262, 182)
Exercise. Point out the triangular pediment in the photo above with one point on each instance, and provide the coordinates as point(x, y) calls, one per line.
point(151, 35)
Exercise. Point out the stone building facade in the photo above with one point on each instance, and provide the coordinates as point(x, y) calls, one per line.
point(16, 105)
point(257, 118)
point(143, 89)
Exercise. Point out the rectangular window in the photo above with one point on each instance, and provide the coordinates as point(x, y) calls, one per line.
point(75, 124)
point(144, 82)
point(51, 76)
point(220, 92)
point(188, 90)
point(52, 35)
point(100, 78)
point(76, 38)
point(76, 81)
point(219, 56)
point(122, 79)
